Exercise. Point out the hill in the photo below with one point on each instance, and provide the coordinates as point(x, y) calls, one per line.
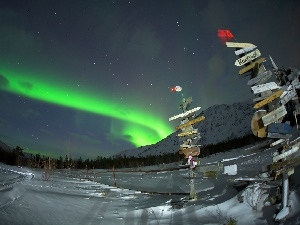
point(222, 122)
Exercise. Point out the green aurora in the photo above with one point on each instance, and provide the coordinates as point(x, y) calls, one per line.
point(139, 127)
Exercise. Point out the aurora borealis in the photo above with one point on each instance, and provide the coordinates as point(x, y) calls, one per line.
point(91, 78)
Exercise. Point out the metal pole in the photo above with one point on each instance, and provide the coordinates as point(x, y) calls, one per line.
point(285, 189)
point(192, 184)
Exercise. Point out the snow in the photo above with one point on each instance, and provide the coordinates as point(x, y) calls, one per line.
point(282, 214)
point(144, 196)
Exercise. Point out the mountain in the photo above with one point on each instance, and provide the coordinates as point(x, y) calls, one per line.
point(222, 122)
point(5, 147)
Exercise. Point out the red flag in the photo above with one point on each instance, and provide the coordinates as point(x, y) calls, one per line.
point(225, 35)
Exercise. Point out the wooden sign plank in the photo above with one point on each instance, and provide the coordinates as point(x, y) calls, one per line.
point(264, 87)
point(274, 116)
point(277, 135)
point(195, 131)
point(277, 142)
point(244, 50)
point(285, 154)
point(191, 122)
point(247, 58)
point(280, 128)
point(288, 96)
point(185, 114)
point(260, 78)
point(251, 66)
point(263, 95)
point(193, 151)
point(290, 162)
point(269, 99)
point(279, 165)
point(239, 45)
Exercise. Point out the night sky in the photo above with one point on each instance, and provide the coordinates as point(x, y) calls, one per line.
point(91, 78)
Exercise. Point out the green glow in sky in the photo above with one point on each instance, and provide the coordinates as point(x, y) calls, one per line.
point(141, 127)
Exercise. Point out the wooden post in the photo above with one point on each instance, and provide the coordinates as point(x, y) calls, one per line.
point(192, 185)
point(114, 175)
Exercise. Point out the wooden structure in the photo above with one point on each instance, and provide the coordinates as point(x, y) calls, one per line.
point(189, 136)
point(274, 101)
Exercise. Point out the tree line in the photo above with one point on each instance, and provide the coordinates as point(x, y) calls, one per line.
point(18, 158)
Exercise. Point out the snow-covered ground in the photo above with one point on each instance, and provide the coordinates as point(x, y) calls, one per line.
point(144, 195)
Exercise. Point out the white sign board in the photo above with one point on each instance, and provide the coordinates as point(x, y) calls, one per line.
point(264, 87)
point(247, 58)
point(184, 114)
point(274, 116)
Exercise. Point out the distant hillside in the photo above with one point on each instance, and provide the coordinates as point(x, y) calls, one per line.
point(5, 147)
point(223, 122)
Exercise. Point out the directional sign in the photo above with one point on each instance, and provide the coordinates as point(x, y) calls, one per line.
point(185, 114)
point(191, 122)
point(251, 66)
point(281, 128)
point(188, 133)
point(260, 78)
point(274, 116)
point(194, 151)
point(277, 142)
point(288, 96)
point(264, 87)
point(277, 135)
point(247, 58)
point(244, 50)
point(286, 153)
point(239, 45)
point(263, 95)
point(268, 99)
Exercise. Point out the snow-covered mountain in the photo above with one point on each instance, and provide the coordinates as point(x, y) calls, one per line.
point(222, 122)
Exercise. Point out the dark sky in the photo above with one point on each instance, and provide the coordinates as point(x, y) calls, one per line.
point(91, 78)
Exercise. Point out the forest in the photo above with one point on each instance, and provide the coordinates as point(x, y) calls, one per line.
point(17, 157)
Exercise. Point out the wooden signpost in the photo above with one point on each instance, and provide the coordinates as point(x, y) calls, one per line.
point(267, 122)
point(190, 137)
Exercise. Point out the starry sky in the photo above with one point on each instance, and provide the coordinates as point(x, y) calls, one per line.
point(91, 78)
